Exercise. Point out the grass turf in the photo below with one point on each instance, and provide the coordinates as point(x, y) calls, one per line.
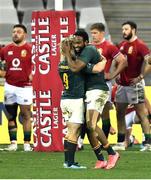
point(48, 165)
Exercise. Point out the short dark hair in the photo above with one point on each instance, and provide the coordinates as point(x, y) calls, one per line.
point(99, 26)
point(131, 23)
point(82, 33)
point(20, 26)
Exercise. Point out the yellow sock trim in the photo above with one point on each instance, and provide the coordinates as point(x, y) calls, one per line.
point(106, 146)
point(96, 147)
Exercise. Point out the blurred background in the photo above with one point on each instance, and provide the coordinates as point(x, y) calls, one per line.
point(111, 12)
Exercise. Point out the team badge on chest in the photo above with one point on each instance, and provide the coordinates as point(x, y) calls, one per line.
point(130, 50)
point(23, 53)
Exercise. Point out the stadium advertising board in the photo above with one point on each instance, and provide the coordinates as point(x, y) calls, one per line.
point(4, 138)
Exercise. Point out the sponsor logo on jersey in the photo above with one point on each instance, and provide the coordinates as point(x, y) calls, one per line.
point(10, 52)
point(23, 53)
point(15, 65)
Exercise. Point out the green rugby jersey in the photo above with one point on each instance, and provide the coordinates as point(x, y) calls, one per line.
point(93, 81)
point(73, 82)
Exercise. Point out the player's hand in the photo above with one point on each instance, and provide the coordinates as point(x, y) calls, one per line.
point(2, 65)
point(117, 80)
point(112, 131)
point(2, 73)
point(65, 47)
point(135, 80)
point(107, 76)
point(30, 77)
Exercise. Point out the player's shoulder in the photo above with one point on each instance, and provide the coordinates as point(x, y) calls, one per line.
point(110, 46)
point(140, 41)
point(107, 42)
point(141, 45)
point(90, 50)
point(90, 47)
point(123, 43)
point(8, 46)
point(28, 45)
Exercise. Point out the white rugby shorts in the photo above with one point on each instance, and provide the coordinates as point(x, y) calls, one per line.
point(96, 99)
point(109, 84)
point(130, 94)
point(130, 119)
point(73, 110)
point(19, 95)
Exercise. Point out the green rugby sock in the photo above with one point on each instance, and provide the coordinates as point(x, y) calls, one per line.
point(65, 150)
point(106, 126)
point(71, 151)
point(13, 135)
point(98, 152)
point(27, 135)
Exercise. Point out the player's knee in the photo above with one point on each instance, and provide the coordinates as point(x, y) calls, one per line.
point(12, 124)
point(90, 127)
point(12, 127)
point(120, 115)
point(75, 132)
point(12, 112)
point(26, 116)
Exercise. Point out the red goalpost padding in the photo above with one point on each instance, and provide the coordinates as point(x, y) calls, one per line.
point(48, 28)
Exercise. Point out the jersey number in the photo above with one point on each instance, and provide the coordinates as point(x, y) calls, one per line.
point(66, 81)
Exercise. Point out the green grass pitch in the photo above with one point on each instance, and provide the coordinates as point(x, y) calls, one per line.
point(133, 164)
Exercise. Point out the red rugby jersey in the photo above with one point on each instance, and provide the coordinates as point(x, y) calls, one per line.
point(18, 64)
point(135, 52)
point(109, 51)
